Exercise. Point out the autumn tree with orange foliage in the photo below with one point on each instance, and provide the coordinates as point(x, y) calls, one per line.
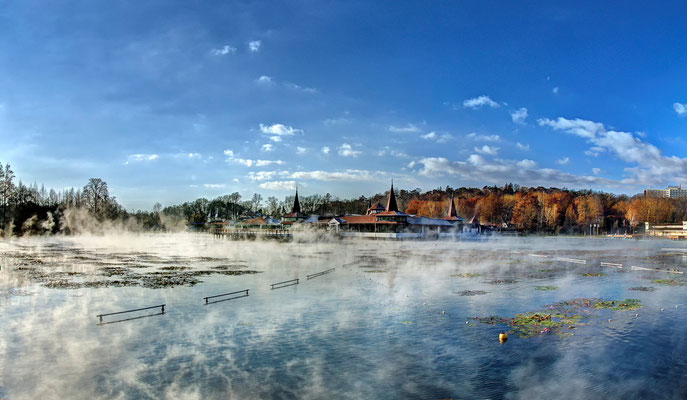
point(649, 209)
point(525, 211)
point(490, 209)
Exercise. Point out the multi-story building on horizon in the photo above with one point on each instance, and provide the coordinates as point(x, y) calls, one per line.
point(672, 192)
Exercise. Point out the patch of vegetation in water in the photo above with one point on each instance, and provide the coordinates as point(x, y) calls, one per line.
point(472, 292)
point(112, 271)
point(546, 288)
point(467, 275)
point(670, 282)
point(502, 281)
point(592, 274)
point(643, 288)
point(625, 305)
point(229, 266)
point(558, 318)
point(174, 268)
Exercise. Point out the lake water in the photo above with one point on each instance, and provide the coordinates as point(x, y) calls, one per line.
point(394, 320)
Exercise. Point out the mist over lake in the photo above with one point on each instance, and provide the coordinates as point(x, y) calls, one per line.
point(392, 320)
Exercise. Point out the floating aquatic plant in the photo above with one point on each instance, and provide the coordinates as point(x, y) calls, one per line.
point(546, 288)
point(593, 274)
point(643, 288)
point(671, 282)
point(472, 292)
point(558, 318)
point(466, 275)
point(502, 281)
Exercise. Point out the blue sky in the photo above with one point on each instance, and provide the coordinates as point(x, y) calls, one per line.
point(168, 101)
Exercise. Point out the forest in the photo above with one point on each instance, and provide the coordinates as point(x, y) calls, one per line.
point(29, 209)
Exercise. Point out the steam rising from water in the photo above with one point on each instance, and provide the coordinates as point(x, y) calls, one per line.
point(371, 329)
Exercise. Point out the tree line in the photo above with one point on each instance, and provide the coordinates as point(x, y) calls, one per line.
point(34, 210)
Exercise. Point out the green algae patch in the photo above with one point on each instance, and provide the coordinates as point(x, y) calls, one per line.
point(546, 288)
point(593, 274)
point(625, 305)
point(466, 275)
point(670, 282)
point(558, 318)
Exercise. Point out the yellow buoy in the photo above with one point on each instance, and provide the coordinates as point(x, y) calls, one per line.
point(503, 336)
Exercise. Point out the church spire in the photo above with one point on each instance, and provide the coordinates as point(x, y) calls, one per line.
point(452, 209)
point(296, 203)
point(391, 203)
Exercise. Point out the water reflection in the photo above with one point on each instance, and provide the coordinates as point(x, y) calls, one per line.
point(389, 322)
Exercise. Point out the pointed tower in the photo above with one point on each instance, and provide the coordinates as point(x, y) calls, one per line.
point(391, 203)
point(295, 215)
point(452, 209)
point(452, 214)
point(296, 204)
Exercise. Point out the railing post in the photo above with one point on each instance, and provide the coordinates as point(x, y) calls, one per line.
point(163, 308)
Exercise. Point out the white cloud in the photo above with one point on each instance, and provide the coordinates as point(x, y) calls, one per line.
point(141, 158)
point(386, 150)
point(194, 155)
point(479, 102)
point(518, 116)
point(265, 80)
point(325, 150)
point(299, 88)
point(594, 151)
point(346, 150)
point(489, 150)
point(223, 51)
point(680, 108)
point(651, 166)
point(231, 157)
point(214, 185)
point(555, 90)
point(596, 171)
point(525, 147)
point(254, 46)
point(301, 150)
point(443, 138)
point(486, 138)
point(349, 175)
point(267, 147)
point(563, 161)
point(478, 169)
point(264, 175)
point(526, 164)
point(279, 130)
point(411, 164)
point(579, 127)
point(236, 180)
point(279, 185)
point(275, 138)
point(408, 128)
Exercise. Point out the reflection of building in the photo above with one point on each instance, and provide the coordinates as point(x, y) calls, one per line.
point(672, 192)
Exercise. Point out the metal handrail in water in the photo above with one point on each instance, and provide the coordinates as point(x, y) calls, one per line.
point(225, 294)
point(162, 311)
